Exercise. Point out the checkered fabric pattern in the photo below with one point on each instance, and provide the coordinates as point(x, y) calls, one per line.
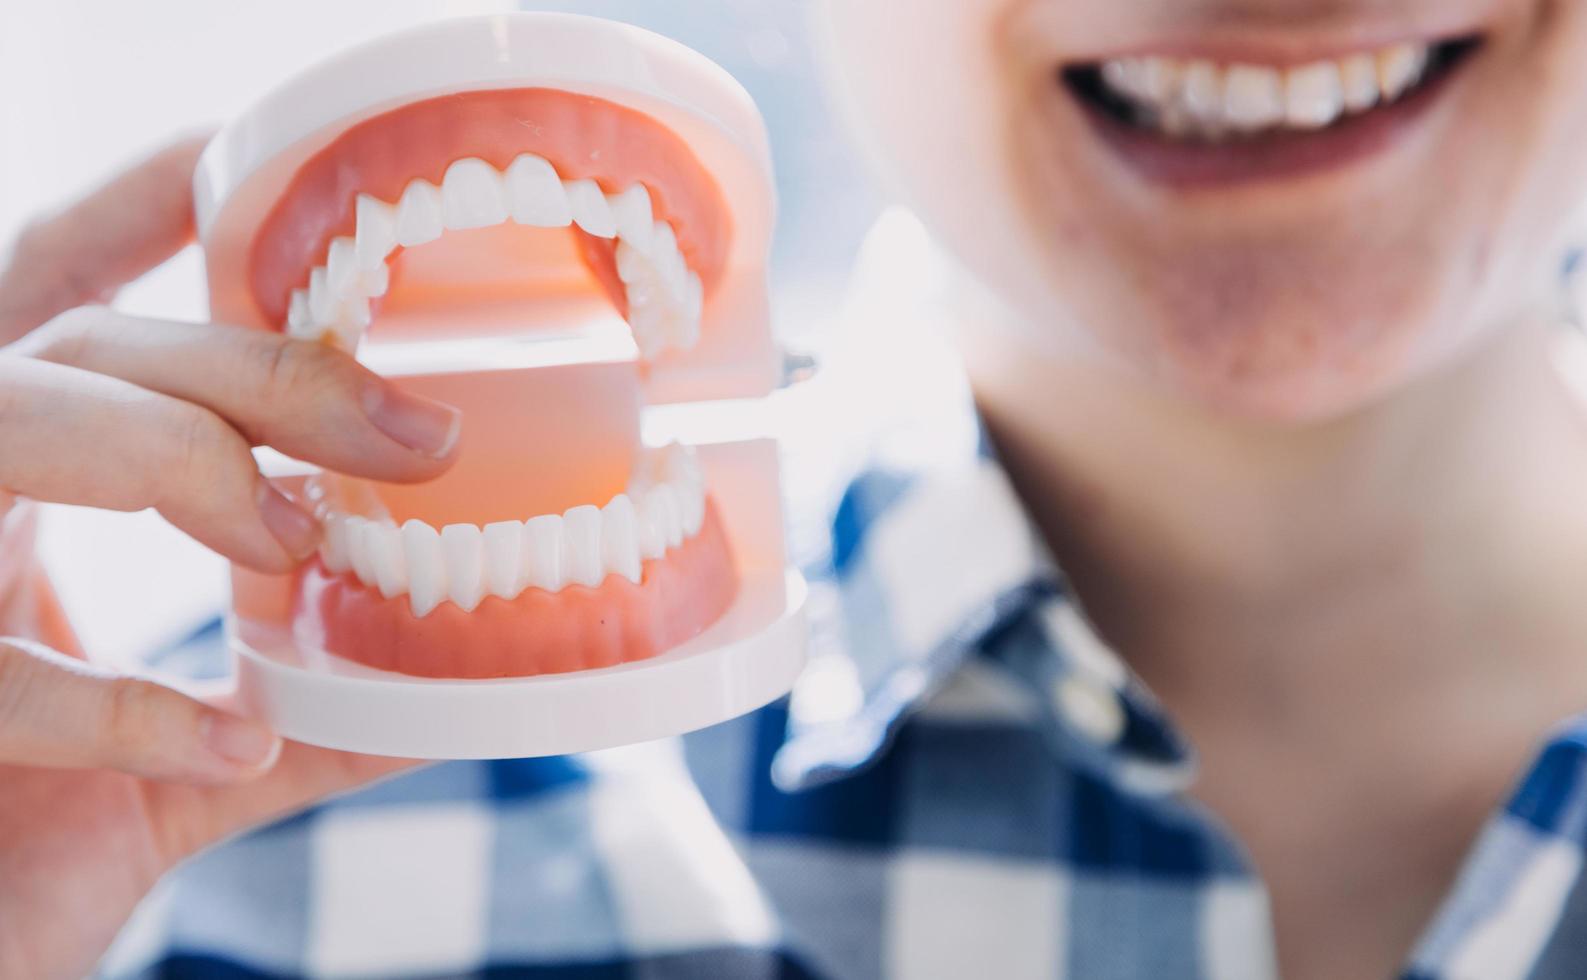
point(966, 783)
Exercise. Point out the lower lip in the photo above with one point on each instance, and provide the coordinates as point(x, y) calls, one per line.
point(1281, 155)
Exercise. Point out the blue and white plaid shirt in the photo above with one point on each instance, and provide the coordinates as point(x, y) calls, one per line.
point(966, 783)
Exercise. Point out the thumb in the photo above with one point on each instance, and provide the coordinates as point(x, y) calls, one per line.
point(63, 713)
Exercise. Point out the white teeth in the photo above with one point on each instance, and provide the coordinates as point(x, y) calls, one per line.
point(688, 332)
point(419, 214)
point(1313, 95)
point(322, 302)
point(581, 545)
point(679, 465)
point(683, 473)
point(358, 550)
point(299, 319)
point(535, 194)
point(1176, 120)
point(1127, 76)
point(1159, 79)
point(463, 548)
point(663, 507)
point(694, 302)
point(426, 566)
point(341, 266)
point(383, 544)
point(665, 297)
point(669, 261)
point(377, 232)
point(648, 321)
point(1399, 68)
point(678, 279)
point(503, 558)
point(333, 547)
point(542, 552)
point(1359, 75)
point(663, 243)
point(1253, 97)
point(691, 511)
point(354, 318)
point(1200, 99)
point(590, 208)
point(654, 536)
point(375, 282)
point(1203, 91)
point(620, 538)
point(632, 264)
point(632, 214)
point(472, 195)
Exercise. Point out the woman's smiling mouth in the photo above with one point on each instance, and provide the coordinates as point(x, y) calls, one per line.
point(1199, 120)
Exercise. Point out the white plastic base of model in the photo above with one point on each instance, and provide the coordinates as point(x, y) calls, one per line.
point(744, 660)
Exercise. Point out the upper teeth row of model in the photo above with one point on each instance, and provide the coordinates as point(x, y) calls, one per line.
point(1200, 97)
point(664, 296)
point(663, 506)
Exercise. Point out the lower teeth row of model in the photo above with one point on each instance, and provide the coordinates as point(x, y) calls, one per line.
point(463, 563)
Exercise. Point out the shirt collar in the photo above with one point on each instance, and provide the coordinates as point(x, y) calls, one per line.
point(930, 562)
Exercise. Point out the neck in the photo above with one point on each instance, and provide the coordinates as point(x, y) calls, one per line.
point(1458, 499)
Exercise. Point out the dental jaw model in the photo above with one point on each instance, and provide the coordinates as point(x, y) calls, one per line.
point(549, 222)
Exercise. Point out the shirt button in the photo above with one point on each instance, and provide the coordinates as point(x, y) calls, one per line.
point(1090, 707)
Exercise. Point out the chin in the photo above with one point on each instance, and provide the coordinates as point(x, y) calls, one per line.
point(1285, 349)
point(1283, 393)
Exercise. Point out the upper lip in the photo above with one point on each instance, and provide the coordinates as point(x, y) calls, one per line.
point(1278, 56)
point(1235, 33)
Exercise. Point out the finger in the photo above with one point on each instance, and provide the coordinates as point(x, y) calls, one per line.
point(87, 251)
point(188, 818)
point(75, 437)
point(305, 398)
point(57, 712)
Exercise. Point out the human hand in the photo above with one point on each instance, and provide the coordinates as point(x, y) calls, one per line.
point(107, 780)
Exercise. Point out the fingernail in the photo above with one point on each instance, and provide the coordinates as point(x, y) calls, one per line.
point(240, 741)
point(422, 424)
point(296, 529)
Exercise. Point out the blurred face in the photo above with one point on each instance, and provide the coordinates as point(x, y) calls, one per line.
point(1281, 208)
